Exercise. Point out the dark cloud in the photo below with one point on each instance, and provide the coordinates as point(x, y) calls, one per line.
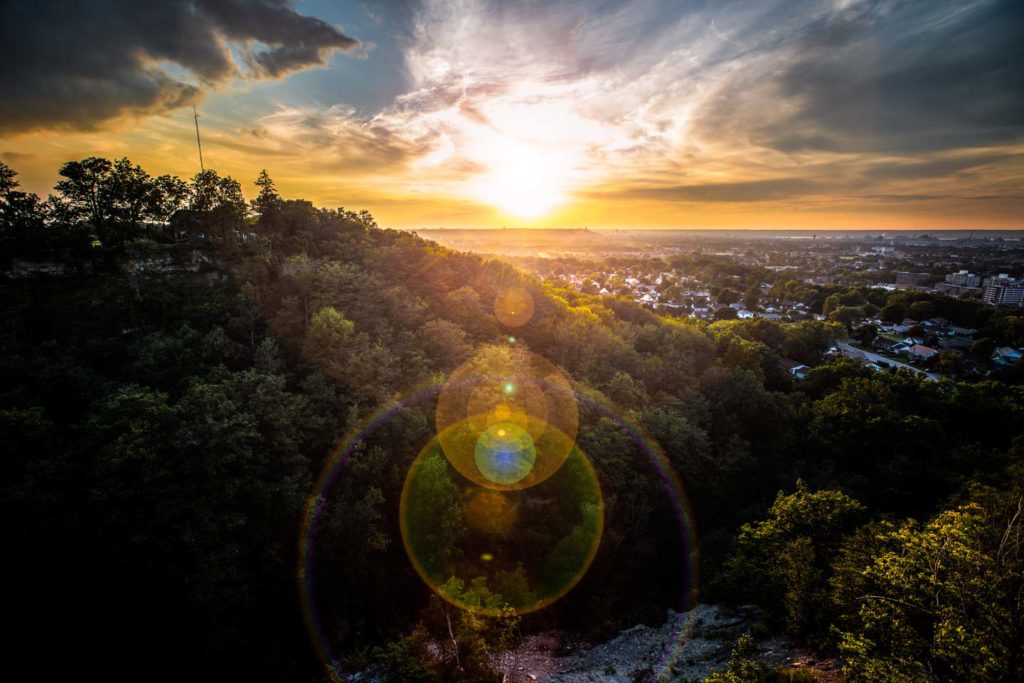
point(79, 64)
point(904, 76)
point(16, 156)
point(936, 168)
point(745, 191)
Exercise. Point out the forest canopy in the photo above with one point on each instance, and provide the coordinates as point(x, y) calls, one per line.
point(179, 366)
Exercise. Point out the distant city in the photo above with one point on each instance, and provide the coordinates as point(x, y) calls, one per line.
point(916, 300)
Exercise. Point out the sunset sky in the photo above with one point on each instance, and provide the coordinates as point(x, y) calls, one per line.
point(843, 114)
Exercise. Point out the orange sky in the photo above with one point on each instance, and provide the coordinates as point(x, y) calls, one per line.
point(570, 116)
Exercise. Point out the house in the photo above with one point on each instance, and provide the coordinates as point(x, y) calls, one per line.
point(923, 352)
point(794, 368)
point(886, 345)
point(1006, 355)
point(912, 341)
point(744, 314)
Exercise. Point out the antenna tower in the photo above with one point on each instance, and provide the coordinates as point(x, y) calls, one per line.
point(199, 144)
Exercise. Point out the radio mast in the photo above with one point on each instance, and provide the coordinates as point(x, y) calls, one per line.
point(199, 144)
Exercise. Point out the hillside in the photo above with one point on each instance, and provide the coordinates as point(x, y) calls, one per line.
point(211, 408)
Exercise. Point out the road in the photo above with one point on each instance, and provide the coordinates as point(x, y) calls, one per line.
point(848, 349)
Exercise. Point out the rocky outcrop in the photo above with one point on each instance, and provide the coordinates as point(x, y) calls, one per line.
point(687, 647)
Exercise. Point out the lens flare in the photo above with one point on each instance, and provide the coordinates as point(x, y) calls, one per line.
point(490, 512)
point(537, 545)
point(513, 307)
point(496, 522)
point(505, 453)
point(522, 393)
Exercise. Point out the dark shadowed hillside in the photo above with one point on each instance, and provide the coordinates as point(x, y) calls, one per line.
point(180, 367)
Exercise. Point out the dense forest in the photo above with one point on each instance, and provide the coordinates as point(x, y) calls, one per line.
point(181, 369)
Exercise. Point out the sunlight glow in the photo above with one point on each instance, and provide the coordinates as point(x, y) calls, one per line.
point(523, 181)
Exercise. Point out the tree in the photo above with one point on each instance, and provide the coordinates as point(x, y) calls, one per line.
point(727, 296)
point(172, 194)
point(808, 340)
point(866, 334)
point(921, 310)
point(267, 203)
point(327, 337)
point(752, 297)
point(21, 220)
point(950, 362)
point(444, 342)
point(7, 179)
point(81, 190)
point(847, 315)
point(464, 306)
point(742, 668)
point(893, 313)
point(129, 194)
point(217, 205)
point(983, 348)
point(782, 562)
point(726, 313)
point(939, 602)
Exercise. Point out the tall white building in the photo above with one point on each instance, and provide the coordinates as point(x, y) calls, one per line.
point(1003, 290)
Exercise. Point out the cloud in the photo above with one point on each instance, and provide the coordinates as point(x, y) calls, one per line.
point(78, 65)
point(714, 102)
point(939, 167)
point(746, 191)
point(864, 105)
point(900, 77)
point(337, 137)
point(16, 156)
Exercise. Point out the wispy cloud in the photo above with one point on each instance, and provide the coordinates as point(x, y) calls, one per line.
point(711, 103)
point(677, 110)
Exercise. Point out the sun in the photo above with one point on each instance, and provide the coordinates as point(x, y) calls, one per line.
point(523, 181)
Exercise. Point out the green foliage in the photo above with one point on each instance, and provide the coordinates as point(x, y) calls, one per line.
point(470, 641)
point(782, 561)
point(403, 661)
point(166, 403)
point(866, 334)
point(726, 313)
point(808, 340)
point(743, 668)
point(437, 520)
point(939, 600)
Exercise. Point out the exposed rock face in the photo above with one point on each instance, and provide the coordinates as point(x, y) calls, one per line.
point(686, 647)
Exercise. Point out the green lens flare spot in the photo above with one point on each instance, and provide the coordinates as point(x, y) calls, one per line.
point(505, 453)
point(546, 540)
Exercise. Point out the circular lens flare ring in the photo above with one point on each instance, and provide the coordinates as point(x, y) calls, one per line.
point(314, 568)
point(499, 564)
point(507, 386)
point(505, 453)
point(513, 307)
